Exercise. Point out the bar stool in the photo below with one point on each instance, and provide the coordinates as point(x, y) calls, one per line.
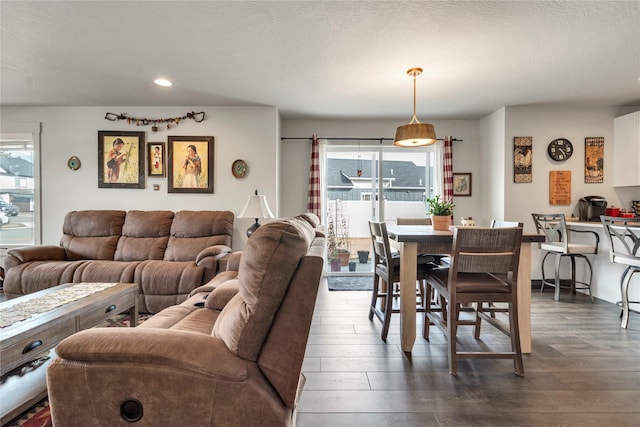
point(557, 243)
point(623, 235)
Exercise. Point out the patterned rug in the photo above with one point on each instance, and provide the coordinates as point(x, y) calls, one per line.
point(39, 414)
point(350, 283)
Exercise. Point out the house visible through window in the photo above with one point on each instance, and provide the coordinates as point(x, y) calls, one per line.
point(19, 187)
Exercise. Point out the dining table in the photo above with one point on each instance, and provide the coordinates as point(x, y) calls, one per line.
point(410, 240)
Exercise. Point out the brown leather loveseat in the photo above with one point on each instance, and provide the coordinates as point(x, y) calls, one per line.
point(229, 357)
point(168, 254)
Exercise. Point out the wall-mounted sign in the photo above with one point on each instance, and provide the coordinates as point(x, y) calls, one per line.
point(560, 187)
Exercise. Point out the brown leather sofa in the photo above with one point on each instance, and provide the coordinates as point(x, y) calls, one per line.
point(231, 355)
point(169, 254)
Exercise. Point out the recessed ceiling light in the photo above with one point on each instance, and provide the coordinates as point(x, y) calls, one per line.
point(163, 82)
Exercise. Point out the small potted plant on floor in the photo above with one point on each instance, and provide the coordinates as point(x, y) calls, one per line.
point(338, 230)
point(332, 248)
point(440, 212)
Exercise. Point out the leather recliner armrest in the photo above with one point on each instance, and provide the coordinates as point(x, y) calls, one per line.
point(217, 251)
point(19, 256)
point(168, 348)
point(233, 262)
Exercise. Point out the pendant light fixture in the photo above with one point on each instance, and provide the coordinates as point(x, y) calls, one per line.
point(414, 133)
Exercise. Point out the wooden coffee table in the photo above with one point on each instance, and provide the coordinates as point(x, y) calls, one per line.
point(26, 340)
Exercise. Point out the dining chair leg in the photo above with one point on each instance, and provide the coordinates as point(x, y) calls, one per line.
point(387, 311)
point(514, 330)
point(478, 320)
point(452, 332)
point(573, 275)
point(374, 296)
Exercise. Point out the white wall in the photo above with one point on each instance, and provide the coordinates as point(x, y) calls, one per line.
point(296, 154)
point(280, 169)
point(248, 133)
point(545, 124)
point(492, 159)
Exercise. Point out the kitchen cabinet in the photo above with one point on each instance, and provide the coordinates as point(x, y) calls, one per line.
point(626, 150)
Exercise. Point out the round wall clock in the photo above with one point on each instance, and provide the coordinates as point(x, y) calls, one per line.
point(239, 168)
point(73, 163)
point(560, 149)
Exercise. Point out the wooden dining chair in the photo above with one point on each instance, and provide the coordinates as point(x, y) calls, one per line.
point(492, 309)
point(623, 235)
point(484, 269)
point(386, 278)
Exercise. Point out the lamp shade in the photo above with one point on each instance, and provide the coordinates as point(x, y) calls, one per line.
point(415, 135)
point(256, 207)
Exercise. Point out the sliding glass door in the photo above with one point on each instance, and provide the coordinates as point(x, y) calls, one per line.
point(369, 182)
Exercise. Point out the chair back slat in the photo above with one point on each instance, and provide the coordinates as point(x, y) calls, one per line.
point(380, 243)
point(502, 224)
point(623, 235)
point(486, 250)
point(554, 228)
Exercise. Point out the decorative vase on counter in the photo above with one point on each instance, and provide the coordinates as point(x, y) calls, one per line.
point(441, 223)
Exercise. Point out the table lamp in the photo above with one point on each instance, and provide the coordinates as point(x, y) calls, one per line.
point(256, 208)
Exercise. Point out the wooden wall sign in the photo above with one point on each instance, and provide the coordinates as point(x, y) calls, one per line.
point(560, 187)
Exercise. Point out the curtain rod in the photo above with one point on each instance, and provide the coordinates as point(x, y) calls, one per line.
point(358, 139)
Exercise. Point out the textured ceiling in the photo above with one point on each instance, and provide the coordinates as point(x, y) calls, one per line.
point(322, 59)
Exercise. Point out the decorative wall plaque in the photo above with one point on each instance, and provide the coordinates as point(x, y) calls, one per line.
point(560, 187)
point(594, 160)
point(522, 159)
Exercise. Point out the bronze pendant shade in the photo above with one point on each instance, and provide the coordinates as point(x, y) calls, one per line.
point(414, 133)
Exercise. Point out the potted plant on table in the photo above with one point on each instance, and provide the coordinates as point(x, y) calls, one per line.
point(440, 212)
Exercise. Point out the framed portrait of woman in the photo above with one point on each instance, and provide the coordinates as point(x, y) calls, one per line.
point(190, 164)
point(120, 159)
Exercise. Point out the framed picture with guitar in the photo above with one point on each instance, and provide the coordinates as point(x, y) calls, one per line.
point(121, 159)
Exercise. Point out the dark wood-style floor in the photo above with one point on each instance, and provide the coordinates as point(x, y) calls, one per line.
point(584, 370)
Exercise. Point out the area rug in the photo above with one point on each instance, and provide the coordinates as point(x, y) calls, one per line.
point(350, 283)
point(39, 414)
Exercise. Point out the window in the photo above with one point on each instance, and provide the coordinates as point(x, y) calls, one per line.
point(19, 185)
point(372, 182)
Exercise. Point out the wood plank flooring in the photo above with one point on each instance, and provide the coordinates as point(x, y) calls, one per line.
point(584, 370)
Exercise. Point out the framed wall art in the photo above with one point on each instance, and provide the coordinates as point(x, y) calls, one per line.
point(594, 160)
point(522, 159)
point(462, 184)
point(120, 159)
point(190, 164)
point(156, 159)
